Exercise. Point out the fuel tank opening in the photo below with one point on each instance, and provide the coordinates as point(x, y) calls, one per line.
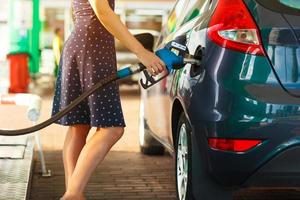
point(197, 67)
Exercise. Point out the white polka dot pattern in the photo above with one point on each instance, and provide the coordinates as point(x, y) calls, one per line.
point(88, 56)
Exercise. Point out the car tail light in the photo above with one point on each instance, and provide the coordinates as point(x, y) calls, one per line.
point(233, 27)
point(235, 145)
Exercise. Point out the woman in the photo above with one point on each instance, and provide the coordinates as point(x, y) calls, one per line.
point(89, 56)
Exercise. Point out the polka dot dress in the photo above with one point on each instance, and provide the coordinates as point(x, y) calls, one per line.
point(88, 56)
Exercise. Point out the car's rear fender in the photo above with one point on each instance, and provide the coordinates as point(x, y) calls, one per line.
point(220, 104)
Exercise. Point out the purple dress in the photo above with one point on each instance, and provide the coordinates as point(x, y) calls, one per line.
point(88, 56)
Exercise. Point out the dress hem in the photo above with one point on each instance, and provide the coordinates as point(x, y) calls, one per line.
point(92, 125)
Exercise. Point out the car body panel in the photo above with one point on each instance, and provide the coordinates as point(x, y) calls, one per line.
point(220, 105)
point(160, 97)
point(232, 95)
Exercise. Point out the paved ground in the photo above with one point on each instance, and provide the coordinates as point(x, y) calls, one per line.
point(130, 176)
point(122, 175)
point(125, 173)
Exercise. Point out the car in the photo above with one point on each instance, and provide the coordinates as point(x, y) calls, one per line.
point(232, 121)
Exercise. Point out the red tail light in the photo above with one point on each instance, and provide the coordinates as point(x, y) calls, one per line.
point(235, 145)
point(233, 27)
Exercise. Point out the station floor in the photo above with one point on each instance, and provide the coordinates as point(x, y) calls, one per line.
point(125, 172)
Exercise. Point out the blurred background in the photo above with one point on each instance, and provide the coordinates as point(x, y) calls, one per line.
point(28, 28)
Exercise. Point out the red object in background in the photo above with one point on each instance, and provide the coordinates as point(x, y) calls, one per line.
point(19, 73)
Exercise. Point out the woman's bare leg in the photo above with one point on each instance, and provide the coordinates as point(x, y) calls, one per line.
point(90, 157)
point(73, 144)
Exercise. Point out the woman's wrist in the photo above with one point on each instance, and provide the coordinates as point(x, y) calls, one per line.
point(139, 50)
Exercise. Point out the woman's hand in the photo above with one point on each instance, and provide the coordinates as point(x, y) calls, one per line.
point(115, 26)
point(152, 62)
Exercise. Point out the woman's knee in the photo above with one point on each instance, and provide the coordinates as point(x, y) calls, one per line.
point(116, 132)
point(80, 126)
point(119, 132)
point(80, 129)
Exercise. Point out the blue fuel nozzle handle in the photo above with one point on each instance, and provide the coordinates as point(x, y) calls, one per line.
point(171, 60)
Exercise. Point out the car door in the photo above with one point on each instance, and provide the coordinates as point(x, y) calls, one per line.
point(158, 100)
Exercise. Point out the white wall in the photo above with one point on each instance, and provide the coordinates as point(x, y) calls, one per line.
point(4, 10)
point(4, 41)
point(4, 37)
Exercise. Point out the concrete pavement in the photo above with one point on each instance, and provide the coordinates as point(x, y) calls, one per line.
point(125, 173)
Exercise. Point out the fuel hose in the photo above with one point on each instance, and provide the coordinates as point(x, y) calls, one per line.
point(121, 74)
point(171, 60)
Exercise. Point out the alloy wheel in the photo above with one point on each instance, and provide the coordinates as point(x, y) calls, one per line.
point(182, 163)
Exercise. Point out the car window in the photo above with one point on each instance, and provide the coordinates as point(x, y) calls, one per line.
point(195, 8)
point(291, 7)
point(291, 3)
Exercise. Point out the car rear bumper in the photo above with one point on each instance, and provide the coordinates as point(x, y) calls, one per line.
point(275, 162)
point(282, 170)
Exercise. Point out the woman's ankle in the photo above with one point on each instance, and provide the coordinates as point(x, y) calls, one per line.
point(73, 196)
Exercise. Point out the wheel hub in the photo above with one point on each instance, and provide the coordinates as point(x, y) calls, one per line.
point(182, 163)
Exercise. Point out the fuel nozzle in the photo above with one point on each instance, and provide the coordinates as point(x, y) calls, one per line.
point(172, 61)
point(190, 59)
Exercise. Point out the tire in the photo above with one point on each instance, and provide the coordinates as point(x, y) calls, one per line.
point(193, 184)
point(148, 144)
point(183, 161)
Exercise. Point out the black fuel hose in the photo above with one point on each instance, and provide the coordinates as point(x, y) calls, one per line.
point(128, 71)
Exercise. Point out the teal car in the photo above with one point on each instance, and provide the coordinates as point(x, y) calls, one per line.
point(234, 120)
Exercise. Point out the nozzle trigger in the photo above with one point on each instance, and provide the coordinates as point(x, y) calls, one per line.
point(149, 80)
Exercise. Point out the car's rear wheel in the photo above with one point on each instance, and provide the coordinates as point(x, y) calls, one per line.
point(183, 162)
point(189, 180)
point(183, 177)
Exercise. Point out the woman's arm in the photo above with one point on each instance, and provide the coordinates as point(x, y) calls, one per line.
point(115, 26)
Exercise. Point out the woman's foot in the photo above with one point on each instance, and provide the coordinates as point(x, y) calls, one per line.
point(68, 196)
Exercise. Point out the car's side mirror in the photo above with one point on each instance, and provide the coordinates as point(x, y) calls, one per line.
point(147, 40)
